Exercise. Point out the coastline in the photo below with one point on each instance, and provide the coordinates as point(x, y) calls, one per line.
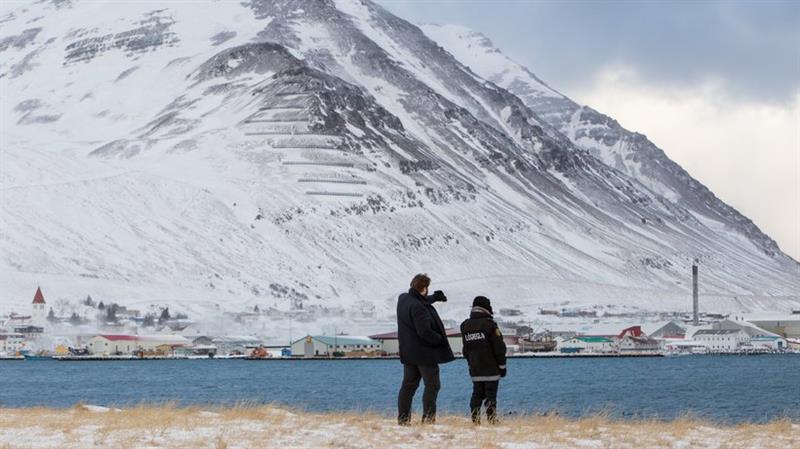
point(243, 426)
point(545, 355)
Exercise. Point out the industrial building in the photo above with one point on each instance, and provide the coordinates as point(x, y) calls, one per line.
point(129, 344)
point(391, 344)
point(721, 340)
point(787, 325)
point(600, 345)
point(326, 346)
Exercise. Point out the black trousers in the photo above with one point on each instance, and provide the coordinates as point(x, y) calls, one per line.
point(484, 392)
point(411, 377)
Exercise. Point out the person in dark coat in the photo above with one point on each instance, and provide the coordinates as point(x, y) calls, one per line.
point(423, 346)
point(485, 352)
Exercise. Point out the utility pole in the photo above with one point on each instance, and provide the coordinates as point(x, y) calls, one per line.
point(695, 300)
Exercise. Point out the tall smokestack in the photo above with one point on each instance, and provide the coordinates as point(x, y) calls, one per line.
point(695, 302)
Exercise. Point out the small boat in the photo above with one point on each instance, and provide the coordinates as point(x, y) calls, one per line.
point(38, 356)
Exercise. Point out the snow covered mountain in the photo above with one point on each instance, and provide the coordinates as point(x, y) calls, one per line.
point(624, 150)
point(321, 152)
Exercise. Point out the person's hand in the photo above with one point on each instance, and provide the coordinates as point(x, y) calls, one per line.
point(438, 296)
point(503, 372)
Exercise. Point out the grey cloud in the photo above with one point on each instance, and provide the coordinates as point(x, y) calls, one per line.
point(753, 47)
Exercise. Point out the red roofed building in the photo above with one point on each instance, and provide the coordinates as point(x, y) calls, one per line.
point(38, 312)
point(38, 298)
point(111, 344)
point(633, 339)
point(120, 337)
point(633, 331)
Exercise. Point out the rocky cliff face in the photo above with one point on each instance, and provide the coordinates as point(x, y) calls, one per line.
point(321, 152)
point(602, 136)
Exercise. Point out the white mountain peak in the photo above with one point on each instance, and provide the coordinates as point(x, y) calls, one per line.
point(286, 152)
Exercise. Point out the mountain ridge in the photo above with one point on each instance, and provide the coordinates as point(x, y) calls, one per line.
point(321, 152)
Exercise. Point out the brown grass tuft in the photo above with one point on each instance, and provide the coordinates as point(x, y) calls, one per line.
point(250, 425)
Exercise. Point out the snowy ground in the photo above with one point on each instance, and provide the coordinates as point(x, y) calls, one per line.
point(270, 427)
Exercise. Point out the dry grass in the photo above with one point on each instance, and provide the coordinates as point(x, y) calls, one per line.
point(249, 426)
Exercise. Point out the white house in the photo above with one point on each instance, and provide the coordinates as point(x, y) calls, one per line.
point(721, 340)
point(323, 345)
point(11, 343)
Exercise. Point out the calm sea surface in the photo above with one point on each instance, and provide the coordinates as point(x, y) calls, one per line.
point(724, 388)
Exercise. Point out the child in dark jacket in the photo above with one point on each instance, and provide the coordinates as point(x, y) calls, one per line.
point(485, 351)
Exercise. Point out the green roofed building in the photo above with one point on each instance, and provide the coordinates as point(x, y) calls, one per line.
point(326, 345)
point(588, 344)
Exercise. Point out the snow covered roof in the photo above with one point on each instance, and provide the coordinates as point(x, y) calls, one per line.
point(393, 335)
point(342, 340)
point(749, 328)
point(771, 316)
point(717, 331)
point(241, 339)
point(7, 336)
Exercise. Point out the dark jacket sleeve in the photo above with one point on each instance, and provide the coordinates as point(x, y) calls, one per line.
point(423, 324)
point(463, 343)
point(498, 346)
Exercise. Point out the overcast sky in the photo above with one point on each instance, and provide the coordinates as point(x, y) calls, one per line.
point(715, 84)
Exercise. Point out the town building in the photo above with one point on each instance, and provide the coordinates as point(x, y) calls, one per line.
point(588, 344)
point(721, 340)
point(29, 332)
point(633, 339)
point(38, 309)
point(129, 344)
point(196, 351)
point(235, 344)
point(769, 343)
point(787, 325)
point(17, 320)
point(199, 347)
point(760, 339)
point(112, 344)
point(326, 346)
point(683, 346)
point(11, 344)
point(391, 344)
point(670, 330)
point(202, 340)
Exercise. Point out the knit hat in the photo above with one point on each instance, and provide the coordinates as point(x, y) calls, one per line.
point(482, 302)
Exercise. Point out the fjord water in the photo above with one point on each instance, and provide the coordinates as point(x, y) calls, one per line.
point(728, 389)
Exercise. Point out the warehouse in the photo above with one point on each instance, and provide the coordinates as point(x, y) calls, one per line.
point(129, 344)
point(584, 344)
point(326, 346)
point(721, 340)
point(391, 345)
point(787, 325)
